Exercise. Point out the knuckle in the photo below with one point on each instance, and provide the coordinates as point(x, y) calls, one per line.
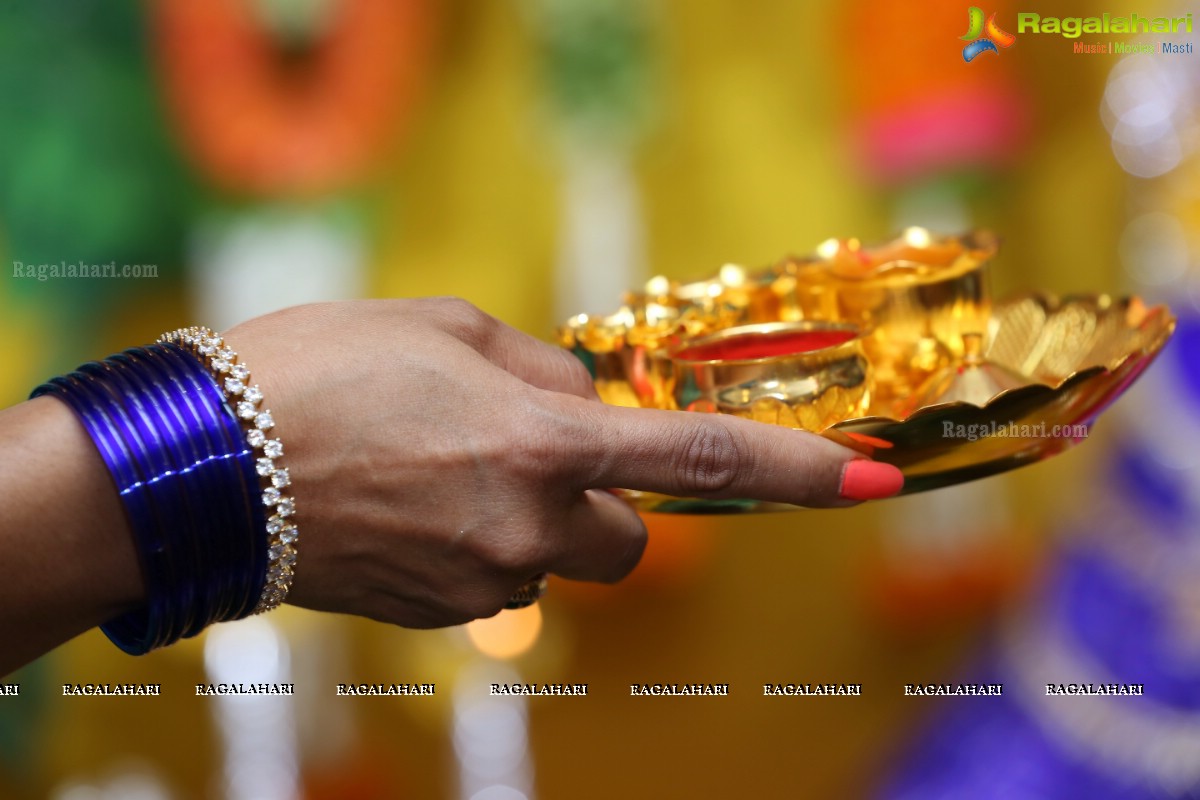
point(463, 319)
point(576, 377)
point(529, 462)
point(515, 552)
point(517, 558)
point(481, 606)
point(710, 459)
point(491, 583)
point(449, 305)
point(542, 447)
point(533, 449)
point(568, 372)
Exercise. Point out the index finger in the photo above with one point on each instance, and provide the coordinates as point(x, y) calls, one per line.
point(692, 454)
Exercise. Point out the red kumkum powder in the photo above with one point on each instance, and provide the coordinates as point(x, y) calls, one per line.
point(750, 346)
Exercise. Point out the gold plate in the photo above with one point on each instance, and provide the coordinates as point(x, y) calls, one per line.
point(1080, 354)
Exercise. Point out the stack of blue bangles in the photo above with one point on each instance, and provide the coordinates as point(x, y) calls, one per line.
point(189, 479)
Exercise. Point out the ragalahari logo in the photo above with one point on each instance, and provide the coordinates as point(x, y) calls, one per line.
point(983, 37)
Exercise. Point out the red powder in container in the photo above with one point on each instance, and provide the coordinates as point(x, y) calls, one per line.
point(750, 346)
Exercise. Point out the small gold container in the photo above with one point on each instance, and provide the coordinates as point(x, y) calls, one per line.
point(807, 374)
point(915, 298)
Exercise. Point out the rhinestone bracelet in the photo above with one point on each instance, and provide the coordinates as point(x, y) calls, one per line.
point(246, 398)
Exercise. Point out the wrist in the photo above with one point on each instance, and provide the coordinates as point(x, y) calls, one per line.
point(74, 562)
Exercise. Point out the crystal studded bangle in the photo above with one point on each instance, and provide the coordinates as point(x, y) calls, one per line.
point(246, 398)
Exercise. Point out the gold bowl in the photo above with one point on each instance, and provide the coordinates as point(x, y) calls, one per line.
point(806, 375)
point(1079, 355)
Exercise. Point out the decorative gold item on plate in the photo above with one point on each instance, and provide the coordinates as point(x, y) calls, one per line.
point(617, 347)
point(975, 379)
point(985, 389)
point(801, 374)
point(915, 296)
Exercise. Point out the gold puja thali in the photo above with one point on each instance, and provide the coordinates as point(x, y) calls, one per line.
point(896, 351)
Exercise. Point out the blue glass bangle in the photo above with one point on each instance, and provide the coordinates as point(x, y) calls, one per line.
point(151, 394)
point(188, 467)
point(231, 541)
point(186, 479)
point(234, 547)
point(154, 504)
point(153, 445)
point(205, 444)
point(247, 556)
point(239, 557)
point(138, 631)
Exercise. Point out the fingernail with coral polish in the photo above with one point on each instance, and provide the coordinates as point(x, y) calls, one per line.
point(870, 480)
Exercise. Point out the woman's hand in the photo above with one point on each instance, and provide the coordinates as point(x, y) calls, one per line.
point(440, 459)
